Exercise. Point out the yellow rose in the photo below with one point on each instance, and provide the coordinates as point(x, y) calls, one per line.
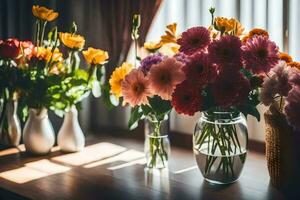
point(95, 56)
point(117, 78)
point(44, 13)
point(72, 41)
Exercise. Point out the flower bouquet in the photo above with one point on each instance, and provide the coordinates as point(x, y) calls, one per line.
point(45, 78)
point(148, 89)
point(223, 73)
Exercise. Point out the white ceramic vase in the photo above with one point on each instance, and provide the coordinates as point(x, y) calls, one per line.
point(11, 135)
point(38, 133)
point(70, 136)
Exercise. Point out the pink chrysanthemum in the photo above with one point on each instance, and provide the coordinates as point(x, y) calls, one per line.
point(135, 88)
point(260, 54)
point(226, 52)
point(200, 70)
point(165, 76)
point(186, 98)
point(230, 89)
point(292, 107)
point(193, 40)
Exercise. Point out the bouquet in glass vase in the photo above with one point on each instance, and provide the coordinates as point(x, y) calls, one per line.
point(223, 70)
point(148, 89)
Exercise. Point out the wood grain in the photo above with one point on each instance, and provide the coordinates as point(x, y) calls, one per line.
point(112, 168)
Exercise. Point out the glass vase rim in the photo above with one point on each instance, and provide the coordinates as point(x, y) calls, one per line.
point(157, 136)
point(221, 114)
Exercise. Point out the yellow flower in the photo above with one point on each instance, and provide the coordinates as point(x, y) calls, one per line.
point(43, 53)
point(95, 56)
point(152, 46)
point(72, 41)
point(44, 13)
point(226, 25)
point(169, 37)
point(117, 78)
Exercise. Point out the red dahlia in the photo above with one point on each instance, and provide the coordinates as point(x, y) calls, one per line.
point(226, 51)
point(230, 89)
point(187, 98)
point(199, 70)
point(193, 40)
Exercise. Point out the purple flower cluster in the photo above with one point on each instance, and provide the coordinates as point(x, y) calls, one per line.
point(147, 62)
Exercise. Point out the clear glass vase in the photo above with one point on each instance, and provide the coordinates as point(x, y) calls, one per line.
point(220, 145)
point(157, 144)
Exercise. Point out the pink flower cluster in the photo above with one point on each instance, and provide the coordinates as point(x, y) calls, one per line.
point(283, 83)
point(156, 76)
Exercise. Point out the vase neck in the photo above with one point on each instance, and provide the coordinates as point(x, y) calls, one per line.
point(39, 113)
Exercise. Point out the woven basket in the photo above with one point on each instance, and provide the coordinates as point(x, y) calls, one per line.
point(282, 151)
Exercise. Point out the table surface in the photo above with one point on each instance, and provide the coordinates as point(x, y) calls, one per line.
point(113, 168)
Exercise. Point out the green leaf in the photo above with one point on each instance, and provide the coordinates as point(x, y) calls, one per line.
point(160, 107)
point(248, 109)
point(135, 116)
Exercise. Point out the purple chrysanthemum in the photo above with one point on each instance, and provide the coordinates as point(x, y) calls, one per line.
point(292, 107)
point(226, 52)
point(194, 40)
point(260, 54)
point(294, 76)
point(181, 57)
point(147, 62)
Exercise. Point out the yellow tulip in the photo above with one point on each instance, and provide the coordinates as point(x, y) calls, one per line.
point(72, 41)
point(95, 56)
point(117, 78)
point(44, 13)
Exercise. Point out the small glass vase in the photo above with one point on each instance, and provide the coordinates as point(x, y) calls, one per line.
point(220, 145)
point(157, 144)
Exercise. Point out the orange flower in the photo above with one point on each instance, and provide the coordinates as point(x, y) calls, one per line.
point(294, 64)
point(44, 13)
point(72, 41)
point(258, 31)
point(95, 56)
point(169, 37)
point(227, 25)
point(245, 38)
point(136, 88)
point(43, 53)
point(285, 57)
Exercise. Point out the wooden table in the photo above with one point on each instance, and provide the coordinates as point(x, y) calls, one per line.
point(113, 168)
